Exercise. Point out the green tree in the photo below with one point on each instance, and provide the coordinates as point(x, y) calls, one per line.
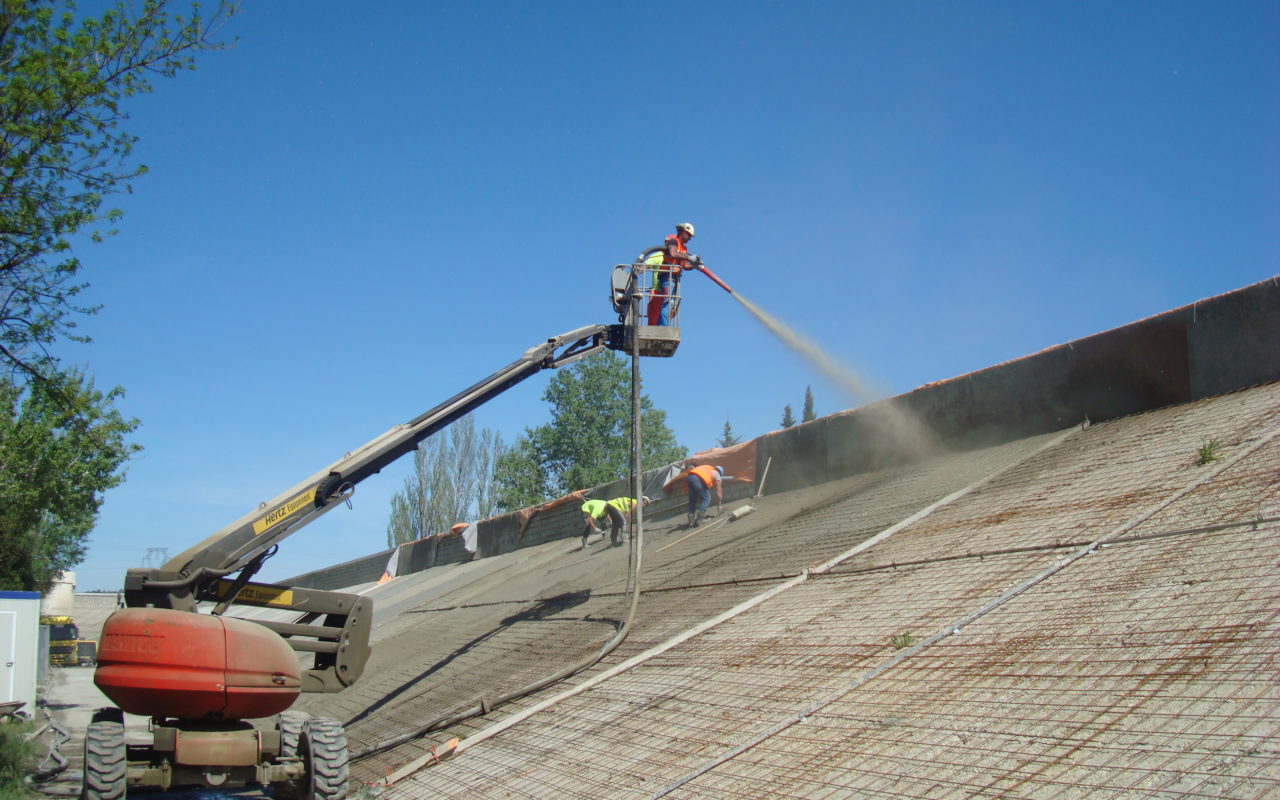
point(62, 444)
point(727, 439)
point(807, 415)
point(588, 441)
point(63, 78)
point(451, 482)
point(788, 419)
point(519, 478)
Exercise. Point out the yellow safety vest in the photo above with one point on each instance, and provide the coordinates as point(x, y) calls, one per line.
point(653, 261)
point(623, 504)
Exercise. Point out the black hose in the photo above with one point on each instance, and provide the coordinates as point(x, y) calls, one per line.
point(485, 705)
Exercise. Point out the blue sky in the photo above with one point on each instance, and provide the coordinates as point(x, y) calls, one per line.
point(361, 209)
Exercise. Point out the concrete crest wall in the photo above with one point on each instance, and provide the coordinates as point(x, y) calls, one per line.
point(1210, 347)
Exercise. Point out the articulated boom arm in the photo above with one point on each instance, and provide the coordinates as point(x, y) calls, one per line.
point(332, 625)
point(242, 543)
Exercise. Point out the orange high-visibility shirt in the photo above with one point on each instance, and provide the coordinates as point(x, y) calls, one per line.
point(674, 241)
point(706, 473)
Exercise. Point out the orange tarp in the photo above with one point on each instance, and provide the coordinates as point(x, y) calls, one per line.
point(739, 462)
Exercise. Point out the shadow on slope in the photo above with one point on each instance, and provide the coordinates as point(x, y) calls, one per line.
point(542, 610)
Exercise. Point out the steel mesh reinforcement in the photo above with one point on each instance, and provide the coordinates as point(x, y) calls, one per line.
point(1100, 620)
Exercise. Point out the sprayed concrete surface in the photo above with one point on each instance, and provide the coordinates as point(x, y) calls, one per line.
point(1135, 657)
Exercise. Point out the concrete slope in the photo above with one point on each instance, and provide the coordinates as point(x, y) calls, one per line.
point(1090, 613)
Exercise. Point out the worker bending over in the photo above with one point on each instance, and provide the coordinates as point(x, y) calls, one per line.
point(617, 510)
point(675, 257)
point(700, 481)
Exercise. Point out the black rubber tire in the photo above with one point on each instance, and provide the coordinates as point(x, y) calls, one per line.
point(106, 761)
point(323, 748)
point(290, 725)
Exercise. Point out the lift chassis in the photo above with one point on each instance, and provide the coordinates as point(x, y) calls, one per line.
point(175, 653)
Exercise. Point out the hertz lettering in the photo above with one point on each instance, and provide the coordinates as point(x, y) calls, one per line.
point(303, 500)
point(260, 594)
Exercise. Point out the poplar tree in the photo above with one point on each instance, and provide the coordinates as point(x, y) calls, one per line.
point(788, 419)
point(451, 482)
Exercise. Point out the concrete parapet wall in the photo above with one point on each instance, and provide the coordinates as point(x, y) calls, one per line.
point(558, 523)
point(449, 550)
point(1233, 339)
point(365, 569)
point(1210, 347)
point(417, 556)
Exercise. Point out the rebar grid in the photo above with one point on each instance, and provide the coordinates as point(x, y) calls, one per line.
point(504, 663)
point(893, 494)
point(1059, 693)
point(610, 723)
point(1165, 704)
point(1093, 482)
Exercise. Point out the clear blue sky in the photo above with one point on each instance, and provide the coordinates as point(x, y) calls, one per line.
point(360, 209)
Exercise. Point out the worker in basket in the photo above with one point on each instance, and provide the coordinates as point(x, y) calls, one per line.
point(676, 256)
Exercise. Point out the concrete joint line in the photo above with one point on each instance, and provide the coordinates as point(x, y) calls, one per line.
point(746, 605)
point(955, 627)
point(1191, 486)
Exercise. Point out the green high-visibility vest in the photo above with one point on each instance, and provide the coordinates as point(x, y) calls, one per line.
point(623, 504)
point(653, 260)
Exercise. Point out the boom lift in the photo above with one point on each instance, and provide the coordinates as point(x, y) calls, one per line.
point(633, 288)
point(175, 655)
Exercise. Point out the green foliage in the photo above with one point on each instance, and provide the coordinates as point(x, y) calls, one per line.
point(519, 478)
point(588, 441)
point(788, 419)
point(62, 150)
point(727, 439)
point(452, 481)
point(17, 758)
point(62, 444)
point(901, 640)
point(808, 415)
point(1208, 452)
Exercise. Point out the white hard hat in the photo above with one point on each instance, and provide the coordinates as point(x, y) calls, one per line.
point(645, 499)
point(687, 227)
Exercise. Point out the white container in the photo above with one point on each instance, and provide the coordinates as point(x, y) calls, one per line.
point(19, 647)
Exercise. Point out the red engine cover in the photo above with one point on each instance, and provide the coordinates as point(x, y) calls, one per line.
point(162, 663)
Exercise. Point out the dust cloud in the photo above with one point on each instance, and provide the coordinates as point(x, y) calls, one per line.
point(901, 428)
